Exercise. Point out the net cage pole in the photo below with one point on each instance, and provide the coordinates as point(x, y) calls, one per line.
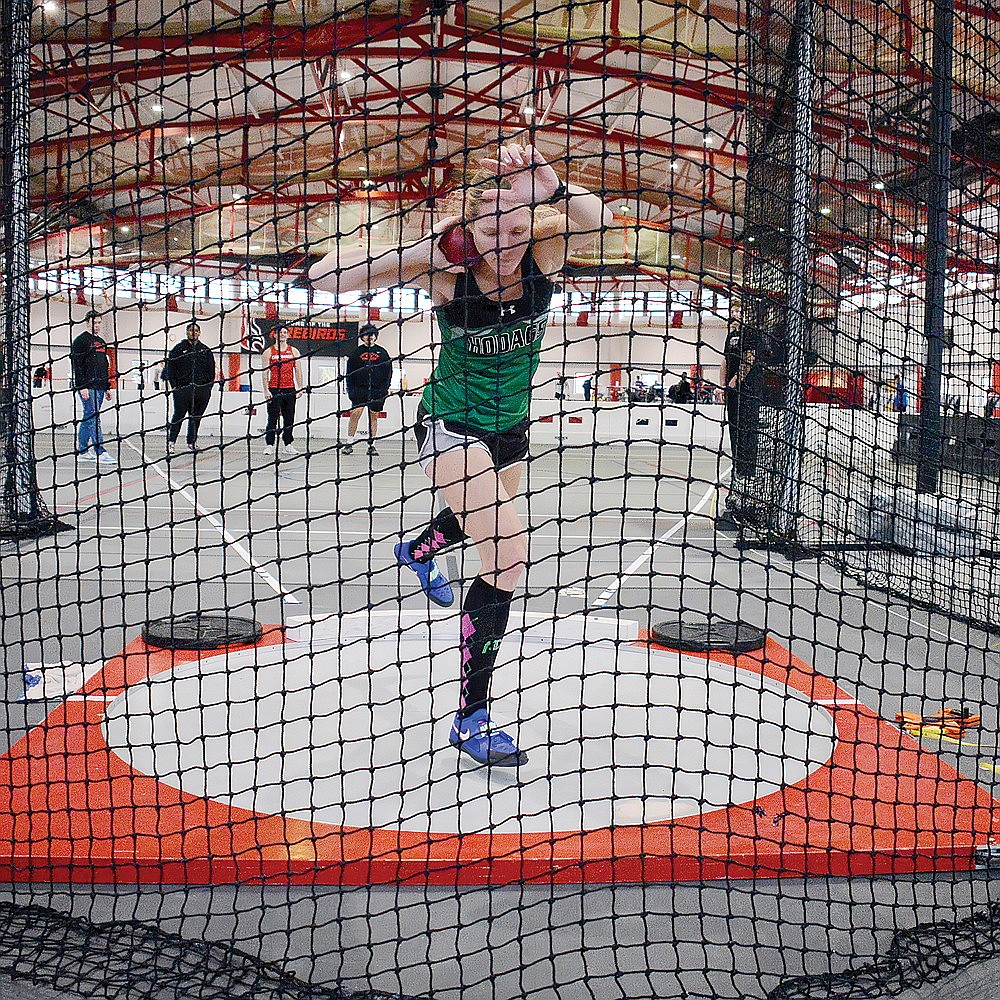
point(22, 512)
point(800, 216)
point(777, 269)
point(938, 195)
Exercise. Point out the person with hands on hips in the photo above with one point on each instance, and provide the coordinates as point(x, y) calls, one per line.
point(489, 269)
point(368, 377)
point(190, 373)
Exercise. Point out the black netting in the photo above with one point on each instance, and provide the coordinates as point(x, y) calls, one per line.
point(919, 957)
point(23, 513)
point(129, 959)
point(533, 474)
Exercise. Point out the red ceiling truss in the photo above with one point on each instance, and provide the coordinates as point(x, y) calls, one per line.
point(296, 120)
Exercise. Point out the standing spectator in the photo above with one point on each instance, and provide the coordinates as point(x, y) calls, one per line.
point(368, 376)
point(92, 381)
point(742, 377)
point(901, 398)
point(951, 400)
point(282, 381)
point(190, 373)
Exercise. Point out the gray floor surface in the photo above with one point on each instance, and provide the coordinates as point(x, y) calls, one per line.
point(231, 529)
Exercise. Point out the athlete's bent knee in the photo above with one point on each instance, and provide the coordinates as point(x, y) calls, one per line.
point(512, 559)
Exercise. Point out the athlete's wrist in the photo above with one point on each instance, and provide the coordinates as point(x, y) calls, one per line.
point(560, 194)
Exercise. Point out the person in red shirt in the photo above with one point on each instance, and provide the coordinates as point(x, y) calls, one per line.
point(282, 382)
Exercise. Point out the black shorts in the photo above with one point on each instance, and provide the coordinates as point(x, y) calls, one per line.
point(375, 405)
point(435, 437)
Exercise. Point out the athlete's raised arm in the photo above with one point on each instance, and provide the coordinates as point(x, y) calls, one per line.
point(357, 269)
point(581, 215)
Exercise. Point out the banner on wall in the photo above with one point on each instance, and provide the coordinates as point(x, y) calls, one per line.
point(327, 340)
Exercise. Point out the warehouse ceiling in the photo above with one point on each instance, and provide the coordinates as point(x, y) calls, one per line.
point(247, 135)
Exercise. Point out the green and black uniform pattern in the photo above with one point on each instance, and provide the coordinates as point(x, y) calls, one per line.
point(489, 353)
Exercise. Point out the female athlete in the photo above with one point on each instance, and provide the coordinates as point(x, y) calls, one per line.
point(489, 272)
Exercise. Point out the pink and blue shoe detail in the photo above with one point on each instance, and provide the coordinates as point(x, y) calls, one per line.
point(432, 581)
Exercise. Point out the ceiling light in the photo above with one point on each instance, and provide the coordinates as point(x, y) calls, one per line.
point(125, 229)
point(826, 210)
point(528, 112)
point(624, 208)
point(709, 140)
point(256, 246)
point(674, 165)
point(156, 108)
point(177, 239)
point(50, 6)
point(190, 140)
point(676, 256)
point(879, 185)
point(345, 74)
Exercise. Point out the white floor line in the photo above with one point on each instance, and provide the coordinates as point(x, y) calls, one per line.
point(262, 534)
point(286, 596)
point(646, 556)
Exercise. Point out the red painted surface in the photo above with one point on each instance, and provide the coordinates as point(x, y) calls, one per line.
point(996, 376)
point(615, 382)
point(232, 371)
point(73, 811)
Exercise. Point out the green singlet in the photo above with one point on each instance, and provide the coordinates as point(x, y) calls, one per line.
point(489, 353)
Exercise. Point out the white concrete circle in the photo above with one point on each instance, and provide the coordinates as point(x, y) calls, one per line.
point(352, 730)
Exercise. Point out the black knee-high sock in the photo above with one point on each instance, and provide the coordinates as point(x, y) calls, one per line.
point(443, 531)
point(485, 612)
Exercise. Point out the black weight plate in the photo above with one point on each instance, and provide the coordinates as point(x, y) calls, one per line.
point(201, 630)
point(707, 635)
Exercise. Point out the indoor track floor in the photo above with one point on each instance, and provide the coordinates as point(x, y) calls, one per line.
point(622, 532)
point(627, 535)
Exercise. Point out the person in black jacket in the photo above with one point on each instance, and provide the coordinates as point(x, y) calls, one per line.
point(190, 373)
point(368, 375)
point(92, 380)
point(680, 392)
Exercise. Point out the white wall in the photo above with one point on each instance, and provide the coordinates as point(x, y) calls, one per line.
point(890, 341)
point(143, 334)
point(896, 333)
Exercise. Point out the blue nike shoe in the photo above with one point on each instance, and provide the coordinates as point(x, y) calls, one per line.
point(476, 737)
point(434, 583)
